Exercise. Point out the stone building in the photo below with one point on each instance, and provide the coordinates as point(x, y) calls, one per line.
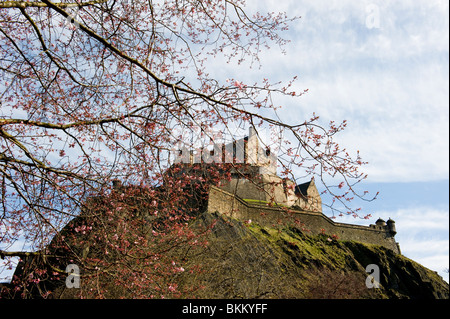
point(255, 192)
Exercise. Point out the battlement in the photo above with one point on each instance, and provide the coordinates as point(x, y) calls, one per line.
point(248, 150)
point(313, 222)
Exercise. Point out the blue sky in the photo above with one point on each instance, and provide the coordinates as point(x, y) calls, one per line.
point(384, 67)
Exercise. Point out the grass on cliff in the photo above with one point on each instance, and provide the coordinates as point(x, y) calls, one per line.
point(323, 267)
point(331, 268)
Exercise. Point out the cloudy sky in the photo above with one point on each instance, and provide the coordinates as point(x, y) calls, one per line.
point(384, 67)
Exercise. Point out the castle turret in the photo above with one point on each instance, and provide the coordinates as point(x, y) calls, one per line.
point(391, 227)
point(380, 222)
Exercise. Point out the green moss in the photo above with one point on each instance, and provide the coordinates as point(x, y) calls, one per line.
point(301, 248)
point(315, 258)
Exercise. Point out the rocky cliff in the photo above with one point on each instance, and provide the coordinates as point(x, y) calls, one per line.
point(247, 260)
point(251, 261)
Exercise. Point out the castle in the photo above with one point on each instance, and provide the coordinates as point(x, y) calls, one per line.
point(255, 193)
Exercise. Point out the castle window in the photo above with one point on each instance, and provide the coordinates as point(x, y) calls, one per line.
point(267, 151)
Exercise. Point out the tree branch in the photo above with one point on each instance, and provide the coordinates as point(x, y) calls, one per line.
point(20, 254)
point(38, 4)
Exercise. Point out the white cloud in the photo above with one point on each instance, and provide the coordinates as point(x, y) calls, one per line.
point(390, 83)
point(423, 218)
point(425, 249)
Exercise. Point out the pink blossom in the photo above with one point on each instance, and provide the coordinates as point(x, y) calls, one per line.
point(238, 84)
point(173, 287)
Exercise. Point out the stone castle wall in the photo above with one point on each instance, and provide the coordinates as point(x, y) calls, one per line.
point(272, 188)
point(314, 222)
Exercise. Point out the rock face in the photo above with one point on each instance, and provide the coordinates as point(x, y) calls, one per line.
point(247, 260)
point(287, 263)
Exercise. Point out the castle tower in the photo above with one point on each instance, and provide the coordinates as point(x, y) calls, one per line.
point(254, 175)
point(391, 227)
point(380, 222)
point(248, 150)
point(264, 184)
point(259, 156)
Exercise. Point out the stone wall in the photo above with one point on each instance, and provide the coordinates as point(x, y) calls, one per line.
point(313, 222)
point(272, 188)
